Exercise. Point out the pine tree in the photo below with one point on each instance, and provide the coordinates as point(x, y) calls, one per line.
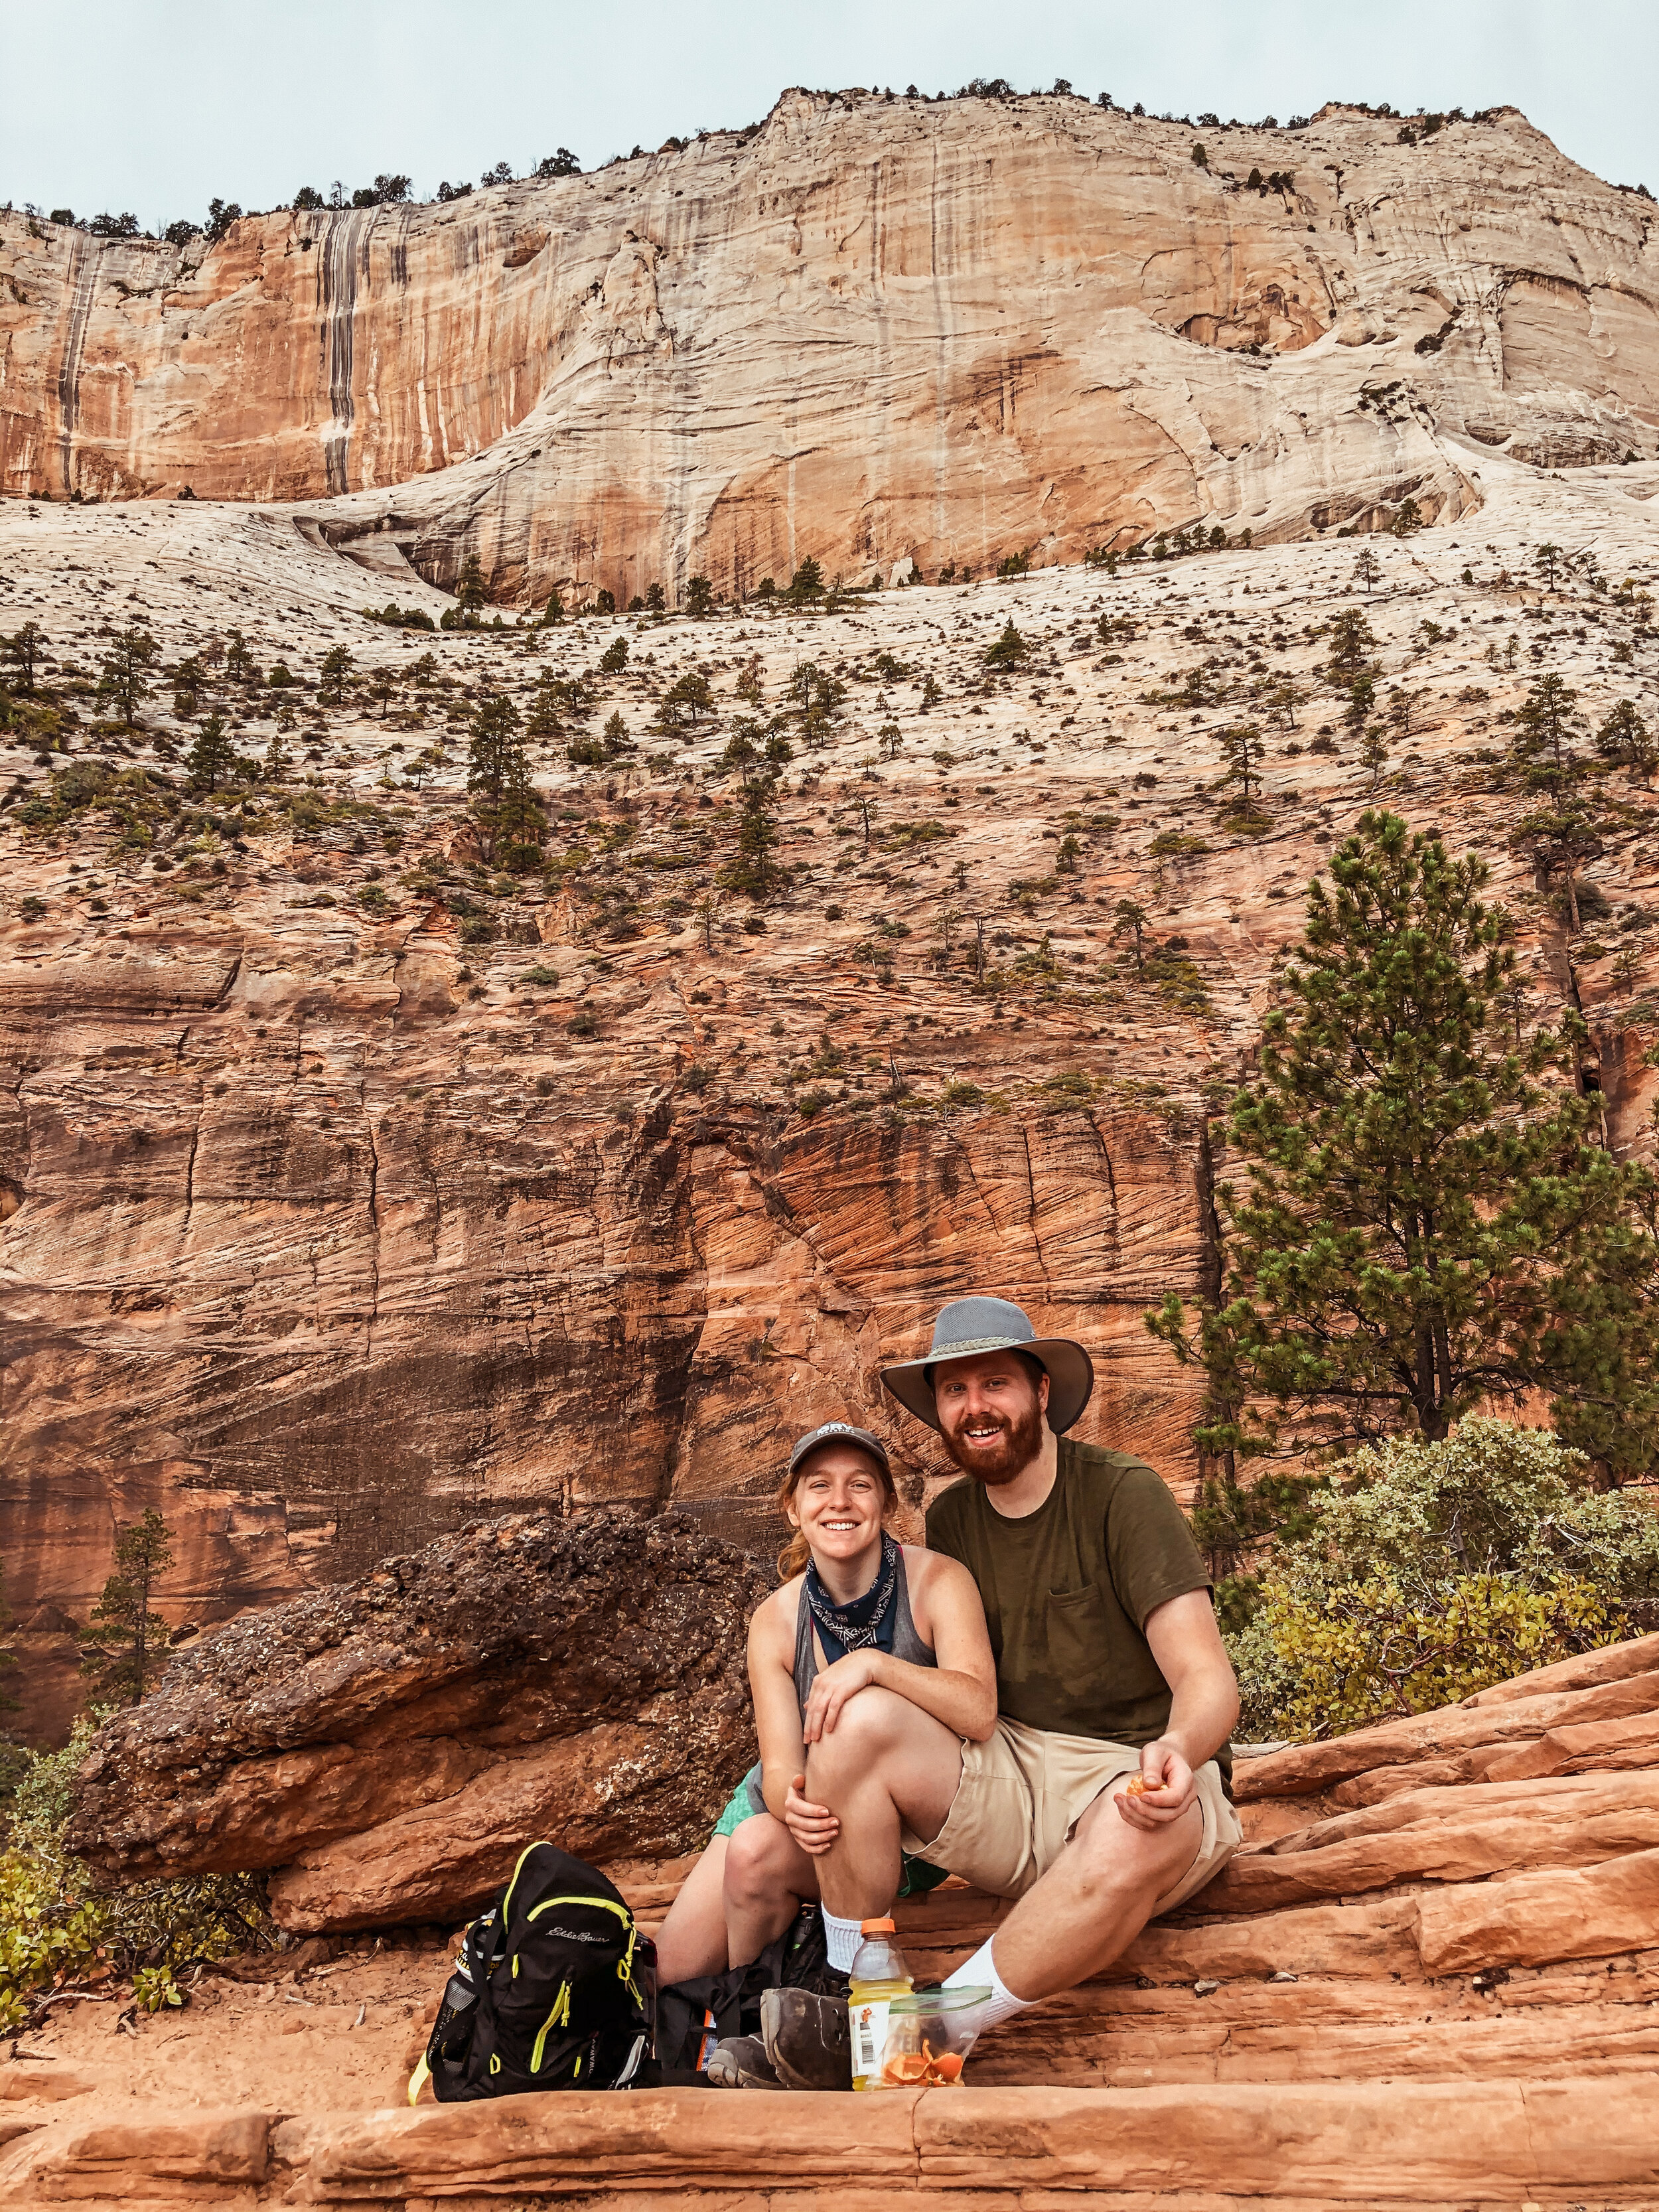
point(1243, 752)
point(189, 679)
point(498, 774)
point(470, 592)
point(1010, 648)
point(24, 646)
point(211, 759)
point(496, 751)
point(124, 1646)
point(1561, 831)
point(1129, 920)
point(1352, 646)
point(278, 759)
point(336, 674)
point(124, 677)
point(1626, 738)
point(1424, 1222)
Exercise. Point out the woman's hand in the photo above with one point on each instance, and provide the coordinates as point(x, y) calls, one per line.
point(832, 1688)
point(814, 1827)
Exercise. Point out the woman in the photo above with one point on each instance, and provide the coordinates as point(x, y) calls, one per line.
point(856, 1608)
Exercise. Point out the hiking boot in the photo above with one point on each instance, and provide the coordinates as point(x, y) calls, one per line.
point(819, 1980)
point(741, 2062)
point(806, 2038)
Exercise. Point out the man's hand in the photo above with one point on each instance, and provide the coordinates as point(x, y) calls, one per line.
point(814, 1827)
point(831, 1689)
point(1166, 1788)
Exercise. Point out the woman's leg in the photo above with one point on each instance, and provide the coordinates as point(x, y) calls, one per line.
point(886, 1765)
point(691, 1942)
point(768, 1878)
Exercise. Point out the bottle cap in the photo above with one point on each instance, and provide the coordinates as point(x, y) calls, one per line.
point(875, 1928)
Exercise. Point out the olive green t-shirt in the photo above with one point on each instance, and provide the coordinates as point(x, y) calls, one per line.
point(1067, 1590)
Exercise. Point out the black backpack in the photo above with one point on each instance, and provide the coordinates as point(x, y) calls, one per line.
point(555, 1988)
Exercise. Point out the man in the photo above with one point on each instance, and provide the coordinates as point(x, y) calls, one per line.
point(1101, 1799)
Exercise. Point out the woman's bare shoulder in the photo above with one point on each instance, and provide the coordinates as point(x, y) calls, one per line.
point(772, 1622)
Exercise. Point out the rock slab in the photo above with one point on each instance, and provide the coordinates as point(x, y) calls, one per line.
point(395, 1742)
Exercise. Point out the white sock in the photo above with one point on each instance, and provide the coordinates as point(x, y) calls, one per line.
point(981, 1971)
point(840, 1940)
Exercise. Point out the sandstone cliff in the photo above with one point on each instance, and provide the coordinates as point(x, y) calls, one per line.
point(870, 329)
point(350, 1191)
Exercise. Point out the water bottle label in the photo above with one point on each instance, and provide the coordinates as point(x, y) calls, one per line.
point(869, 2038)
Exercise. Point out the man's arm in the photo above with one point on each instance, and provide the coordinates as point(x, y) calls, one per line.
point(1204, 1708)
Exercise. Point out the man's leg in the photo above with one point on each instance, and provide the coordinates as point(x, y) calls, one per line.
point(1094, 1900)
point(884, 1764)
point(767, 1876)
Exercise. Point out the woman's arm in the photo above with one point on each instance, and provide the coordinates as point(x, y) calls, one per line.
point(961, 1691)
point(777, 1716)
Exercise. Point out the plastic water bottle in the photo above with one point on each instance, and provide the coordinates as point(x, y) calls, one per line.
point(880, 1975)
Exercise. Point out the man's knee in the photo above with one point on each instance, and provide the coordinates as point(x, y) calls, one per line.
point(1117, 1859)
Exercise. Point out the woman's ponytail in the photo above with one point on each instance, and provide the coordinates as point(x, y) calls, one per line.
point(795, 1555)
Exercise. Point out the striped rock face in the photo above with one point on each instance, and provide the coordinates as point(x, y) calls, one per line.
point(878, 332)
point(350, 1190)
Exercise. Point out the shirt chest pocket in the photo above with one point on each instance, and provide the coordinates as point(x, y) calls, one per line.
point(1077, 1637)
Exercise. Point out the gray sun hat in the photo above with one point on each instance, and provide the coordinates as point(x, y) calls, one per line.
point(967, 1326)
point(841, 1432)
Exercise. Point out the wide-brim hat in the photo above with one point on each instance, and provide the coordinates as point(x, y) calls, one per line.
point(969, 1326)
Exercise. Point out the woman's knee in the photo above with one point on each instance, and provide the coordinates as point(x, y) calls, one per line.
point(868, 1728)
point(757, 1854)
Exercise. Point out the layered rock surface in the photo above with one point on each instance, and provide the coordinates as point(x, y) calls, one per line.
point(877, 330)
point(391, 1745)
point(348, 1193)
point(1455, 2035)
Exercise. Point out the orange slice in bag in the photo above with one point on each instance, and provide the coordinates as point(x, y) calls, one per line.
point(946, 2070)
point(907, 2070)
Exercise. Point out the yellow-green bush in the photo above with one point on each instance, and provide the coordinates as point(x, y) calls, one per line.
point(57, 1927)
point(46, 1935)
point(1435, 1570)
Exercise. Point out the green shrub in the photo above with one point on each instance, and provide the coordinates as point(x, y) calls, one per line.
point(57, 1928)
point(1432, 1570)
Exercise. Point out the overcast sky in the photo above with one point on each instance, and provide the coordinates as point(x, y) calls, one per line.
point(157, 106)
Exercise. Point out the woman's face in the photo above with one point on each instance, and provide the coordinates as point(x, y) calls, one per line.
point(838, 1502)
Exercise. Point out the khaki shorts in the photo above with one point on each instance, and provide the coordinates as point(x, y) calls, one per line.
point(1023, 1793)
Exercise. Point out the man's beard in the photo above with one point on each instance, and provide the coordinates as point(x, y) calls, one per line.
point(999, 1462)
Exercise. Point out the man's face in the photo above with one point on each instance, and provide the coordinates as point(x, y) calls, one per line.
point(990, 1411)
